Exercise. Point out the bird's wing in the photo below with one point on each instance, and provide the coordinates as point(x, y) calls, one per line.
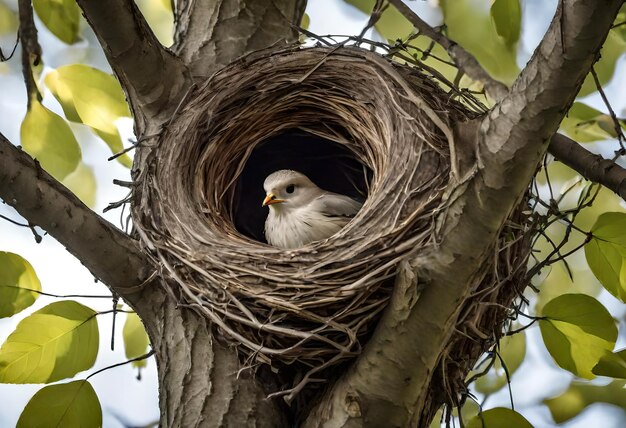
point(335, 205)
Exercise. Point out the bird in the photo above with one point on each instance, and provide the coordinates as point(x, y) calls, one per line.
point(300, 212)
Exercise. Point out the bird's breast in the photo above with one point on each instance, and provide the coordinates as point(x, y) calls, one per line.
point(297, 228)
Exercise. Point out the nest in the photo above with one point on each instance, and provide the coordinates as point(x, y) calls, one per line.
point(312, 307)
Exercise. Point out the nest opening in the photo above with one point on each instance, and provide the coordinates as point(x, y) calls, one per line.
point(331, 166)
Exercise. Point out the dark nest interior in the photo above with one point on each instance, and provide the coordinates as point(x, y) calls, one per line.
point(355, 122)
point(329, 165)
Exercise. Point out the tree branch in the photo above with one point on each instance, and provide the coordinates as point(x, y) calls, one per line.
point(463, 59)
point(111, 255)
point(153, 78)
point(578, 158)
point(31, 50)
point(389, 384)
point(591, 166)
point(212, 33)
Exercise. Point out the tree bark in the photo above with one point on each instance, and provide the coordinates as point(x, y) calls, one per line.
point(389, 384)
point(212, 33)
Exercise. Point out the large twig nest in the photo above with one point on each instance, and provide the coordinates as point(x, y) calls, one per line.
point(312, 306)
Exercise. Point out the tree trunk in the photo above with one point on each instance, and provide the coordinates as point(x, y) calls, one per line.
point(391, 382)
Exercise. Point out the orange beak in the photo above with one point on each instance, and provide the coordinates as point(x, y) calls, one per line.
point(270, 199)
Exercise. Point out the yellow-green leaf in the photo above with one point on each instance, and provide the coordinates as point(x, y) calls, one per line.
point(82, 182)
point(613, 48)
point(585, 124)
point(54, 343)
point(93, 97)
point(17, 278)
point(582, 394)
point(8, 19)
point(606, 253)
point(61, 17)
point(135, 339)
point(159, 15)
point(500, 417)
point(506, 16)
point(73, 404)
point(512, 350)
point(480, 38)
point(577, 331)
point(612, 364)
point(49, 139)
point(391, 25)
point(306, 21)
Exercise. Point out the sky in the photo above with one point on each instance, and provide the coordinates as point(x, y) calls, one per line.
point(129, 401)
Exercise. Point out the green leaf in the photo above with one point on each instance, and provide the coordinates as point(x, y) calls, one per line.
point(606, 253)
point(512, 351)
point(499, 417)
point(61, 17)
point(49, 139)
point(135, 339)
point(577, 331)
point(391, 25)
point(612, 364)
point(54, 343)
point(17, 278)
point(585, 124)
point(306, 21)
point(582, 394)
point(613, 48)
point(93, 97)
point(506, 16)
point(82, 182)
point(8, 20)
point(73, 404)
point(159, 15)
point(480, 38)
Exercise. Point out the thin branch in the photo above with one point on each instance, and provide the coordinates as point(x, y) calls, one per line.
point(591, 166)
point(151, 75)
point(578, 158)
point(112, 256)
point(463, 59)
point(123, 363)
point(60, 296)
point(31, 50)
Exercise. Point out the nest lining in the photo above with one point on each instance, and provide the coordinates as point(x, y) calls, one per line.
point(312, 307)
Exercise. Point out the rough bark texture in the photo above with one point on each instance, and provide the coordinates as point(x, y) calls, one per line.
point(390, 384)
point(213, 33)
point(111, 255)
point(199, 379)
point(591, 166)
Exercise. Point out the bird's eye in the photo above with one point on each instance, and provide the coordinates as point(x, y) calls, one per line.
point(290, 188)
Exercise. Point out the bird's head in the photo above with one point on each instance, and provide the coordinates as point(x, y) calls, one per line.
point(287, 188)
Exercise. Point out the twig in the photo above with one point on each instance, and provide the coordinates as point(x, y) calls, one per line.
point(123, 363)
point(60, 296)
point(618, 129)
point(463, 59)
point(31, 50)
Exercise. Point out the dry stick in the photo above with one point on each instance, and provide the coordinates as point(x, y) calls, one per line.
point(591, 166)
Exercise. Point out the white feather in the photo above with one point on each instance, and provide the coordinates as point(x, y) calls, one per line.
point(309, 214)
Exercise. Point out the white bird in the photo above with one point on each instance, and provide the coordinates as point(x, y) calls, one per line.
point(300, 212)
